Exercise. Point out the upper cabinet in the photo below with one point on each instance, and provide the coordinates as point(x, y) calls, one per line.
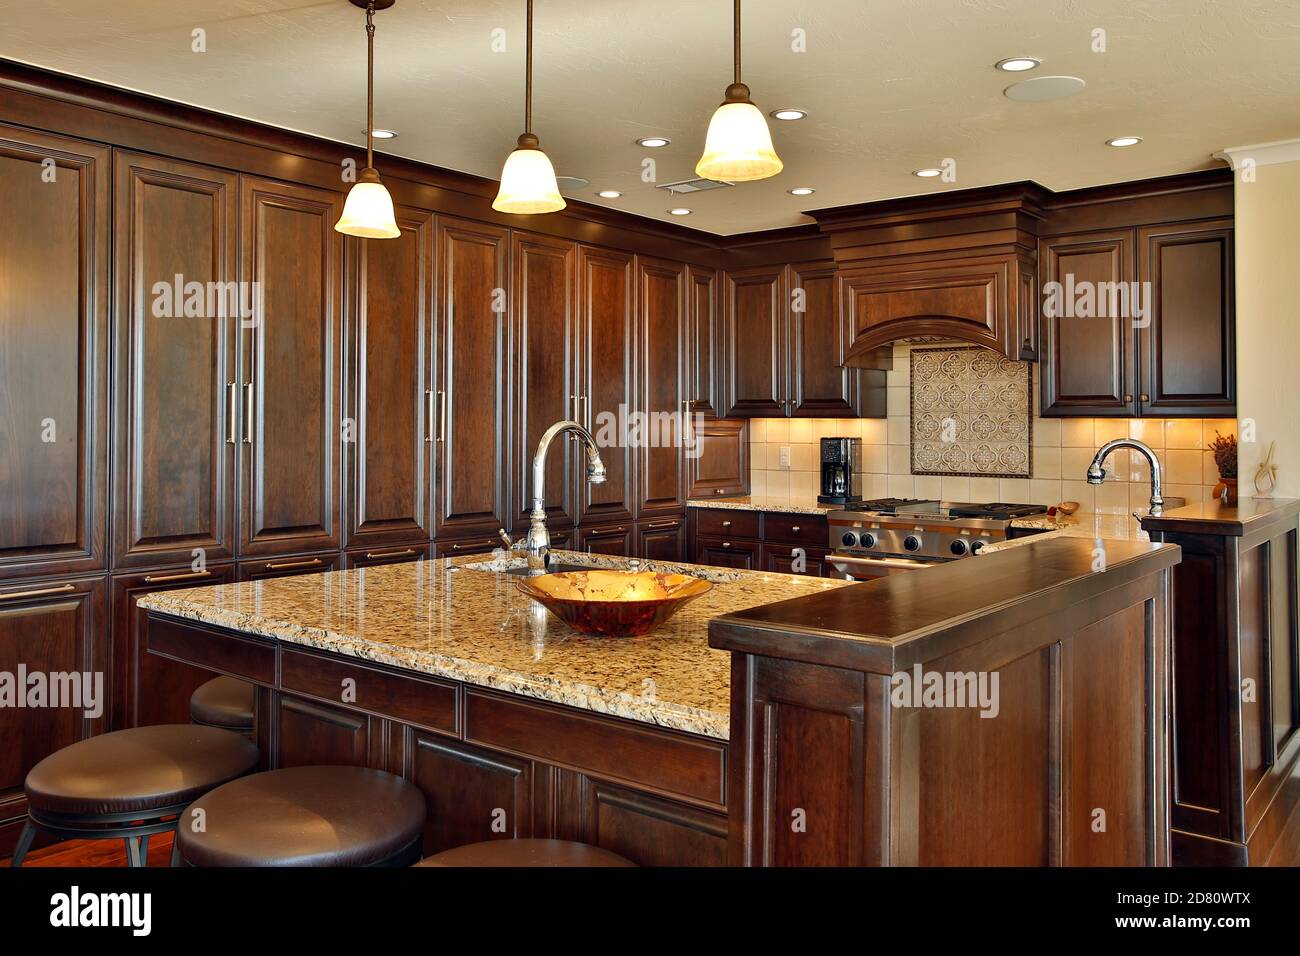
point(291, 434)
point(53, 353)
point(786, 339)
point(704, 340)
point(663, 372)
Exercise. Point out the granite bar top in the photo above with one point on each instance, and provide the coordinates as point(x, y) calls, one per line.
point(462, 618)
point(785, 504)
point(1118, 527)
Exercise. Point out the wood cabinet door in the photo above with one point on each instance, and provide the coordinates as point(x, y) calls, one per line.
point(718, 459)
point(261, 568)
point(54, 626)
point(544, 351)
point(729, 553)
point(606, 337)
point(312, 734)
point(1088, 361)
point(608, 539)
point(149, 689)
point(661, 540)
point(781, 558)
point(1188, 349)
point(662, 401)
point(472, 379)
point(175, 382)
point(704, 341)
point(291, 432)
point(648, 829)
point(388, 426)
point(820, 386)
point(754, 343)
point(53, 353)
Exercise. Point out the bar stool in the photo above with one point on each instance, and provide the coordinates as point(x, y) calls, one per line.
point(305, 816)
point(129, 784)
point(499, 853)
point(224, 702)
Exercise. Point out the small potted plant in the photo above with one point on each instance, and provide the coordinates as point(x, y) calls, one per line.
point(1225, 459)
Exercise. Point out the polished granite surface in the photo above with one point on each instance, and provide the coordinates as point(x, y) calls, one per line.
point(786, 504)
point(1123, 527)
point(463, 618)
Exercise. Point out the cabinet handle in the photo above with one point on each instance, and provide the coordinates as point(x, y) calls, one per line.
point(726, 524)
point(38, 592)
point(686, 421)
point(1144, 398)
point(181, 576)
point(428, 415)
point(663, 524)
point(232, 413)
point(373, 555)
point(248, 413)
point(794, 528)
point(573, 406)
point(726, 544)
point(1128, 398)
point(284, 565)
point(442, 415)
point(719, 491)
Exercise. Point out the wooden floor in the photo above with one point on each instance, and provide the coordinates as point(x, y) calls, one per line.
point(96, 853)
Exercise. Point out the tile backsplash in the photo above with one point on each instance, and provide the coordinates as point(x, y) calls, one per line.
point(1063, 448)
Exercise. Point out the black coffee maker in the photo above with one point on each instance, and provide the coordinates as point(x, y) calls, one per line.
point(841, 471)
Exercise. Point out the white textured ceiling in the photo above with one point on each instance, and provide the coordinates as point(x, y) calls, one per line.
point(890, 85)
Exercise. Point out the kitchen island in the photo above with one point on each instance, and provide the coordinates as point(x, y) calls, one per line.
point(514, 725)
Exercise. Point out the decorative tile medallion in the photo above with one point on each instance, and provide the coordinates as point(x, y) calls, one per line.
point(971, 413)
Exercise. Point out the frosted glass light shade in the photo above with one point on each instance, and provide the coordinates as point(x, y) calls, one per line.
point(528, 183)
point(738, 147)
point(368, 211)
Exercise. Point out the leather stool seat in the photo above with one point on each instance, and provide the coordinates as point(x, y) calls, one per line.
point(224, 702)
point(142, 770)
point(526, 853)
point(307, 816)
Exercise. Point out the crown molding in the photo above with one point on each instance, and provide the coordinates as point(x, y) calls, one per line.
point(1264, 154)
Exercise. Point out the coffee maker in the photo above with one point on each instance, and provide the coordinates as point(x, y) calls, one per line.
point(841, 471)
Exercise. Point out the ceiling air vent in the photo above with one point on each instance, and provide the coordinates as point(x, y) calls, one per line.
point(693, 185)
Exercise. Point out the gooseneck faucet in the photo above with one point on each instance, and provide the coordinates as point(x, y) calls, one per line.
point(539, 540)
point(1097, 474)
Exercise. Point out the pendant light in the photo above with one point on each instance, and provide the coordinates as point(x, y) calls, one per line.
point(368, 212)
point(528, 178)
point(738, 147)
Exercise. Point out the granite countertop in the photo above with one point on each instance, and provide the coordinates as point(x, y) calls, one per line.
point(1122, 527)
point(786, 504)
point(461, 619)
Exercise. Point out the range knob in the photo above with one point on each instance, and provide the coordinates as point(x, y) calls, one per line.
point(958, 547)
point(976, 547)
point(868, 539)
point(912, 543)
point(848, 539)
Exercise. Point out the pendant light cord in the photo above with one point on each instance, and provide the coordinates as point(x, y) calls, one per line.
point(528, 71)
point(370, 85)
point(736, 40)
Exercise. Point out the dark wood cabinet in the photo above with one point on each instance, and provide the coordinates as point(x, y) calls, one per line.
point(606, 337)
point(1089, 362)
point(388, 414)
point(373, 557)
point(148, 689)
point(544, 349)
point(476, 544)
point(704, 341)
point(291, 434)
point(175, 396)
point(649, 829)
point(663, 406)
point(472, 379)
point(50, 626)
point(818, 383)
point(717, 462)
point(260, 568)
point(761, 541)
point(313, 734)
point(783, 559)
point(616, 539)
point(53, 353)
point(728, 553)
point(755, 343)
point(661, 540)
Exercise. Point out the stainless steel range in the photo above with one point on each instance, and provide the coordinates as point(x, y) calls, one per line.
point(892, 535)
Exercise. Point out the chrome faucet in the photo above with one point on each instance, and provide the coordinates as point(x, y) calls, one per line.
point(539, 540)
point(1097, 474)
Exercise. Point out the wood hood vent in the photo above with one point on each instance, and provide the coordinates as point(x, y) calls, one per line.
point(956, 266)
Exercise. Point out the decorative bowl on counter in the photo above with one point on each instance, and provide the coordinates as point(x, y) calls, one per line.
point(613, 603)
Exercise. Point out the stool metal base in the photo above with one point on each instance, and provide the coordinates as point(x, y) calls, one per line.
point(133, 828)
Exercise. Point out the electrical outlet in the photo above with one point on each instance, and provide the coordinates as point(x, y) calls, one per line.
point(785, 456)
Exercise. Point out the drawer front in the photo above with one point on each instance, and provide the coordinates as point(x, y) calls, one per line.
point(217, 650)
point(726, 523)
point(370, 557)
point(425, 702)
point(663, 760)
point(741, 553)
point(805, 530)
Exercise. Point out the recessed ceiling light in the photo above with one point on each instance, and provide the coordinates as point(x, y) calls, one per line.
point(679, 211)
point(609, 194)
point(382, 134)
point(1018, 64)
point(1124, 141)
point(789, 113)
point(802, 191)
point(653, 142)
point(927, 173)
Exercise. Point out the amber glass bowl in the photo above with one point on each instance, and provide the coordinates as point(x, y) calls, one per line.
point(613, 603)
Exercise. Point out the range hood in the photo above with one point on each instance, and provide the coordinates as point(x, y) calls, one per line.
point(959, 266)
